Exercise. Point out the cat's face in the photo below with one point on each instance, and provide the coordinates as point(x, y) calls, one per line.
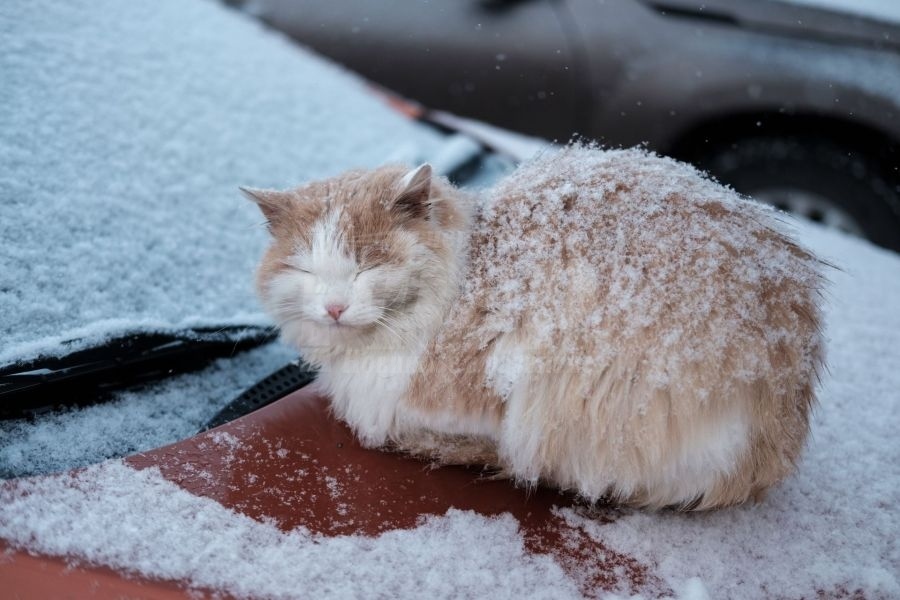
point(350, 254)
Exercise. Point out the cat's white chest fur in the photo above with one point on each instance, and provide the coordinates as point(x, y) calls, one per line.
point(366, 391)
point(370, 394)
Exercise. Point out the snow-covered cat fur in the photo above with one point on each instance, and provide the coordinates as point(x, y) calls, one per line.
point(609, 322)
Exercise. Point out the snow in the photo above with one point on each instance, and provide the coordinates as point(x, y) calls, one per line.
point(133, 420)
point(515, 145)
point(140, 522)
point(125, 131)
point(613, 212)
point(830, 530)
point(885, 10)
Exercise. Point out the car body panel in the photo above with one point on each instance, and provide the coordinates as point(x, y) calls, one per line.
point(27, 575)
point(450, 55)
point(639, 71)
point(709, 70)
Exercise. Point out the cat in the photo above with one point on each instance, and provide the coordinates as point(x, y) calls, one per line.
point(610, 322)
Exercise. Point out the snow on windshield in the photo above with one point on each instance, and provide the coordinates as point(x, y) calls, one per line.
point(885, 10)
point(132, 420)
point(125, 130)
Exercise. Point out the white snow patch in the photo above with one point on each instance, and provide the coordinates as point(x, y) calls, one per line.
point(132, 420)
point(139, 522)
point(512, 144)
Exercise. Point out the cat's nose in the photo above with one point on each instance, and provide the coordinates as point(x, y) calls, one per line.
point(335, 310)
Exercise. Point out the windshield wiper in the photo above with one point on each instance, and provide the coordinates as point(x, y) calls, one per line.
point(289, 378)
point(87, 376)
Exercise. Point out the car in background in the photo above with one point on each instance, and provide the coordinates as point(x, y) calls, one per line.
point(795, 105)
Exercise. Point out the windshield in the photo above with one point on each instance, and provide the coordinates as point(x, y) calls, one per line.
point(128, 250)
point(120, 210)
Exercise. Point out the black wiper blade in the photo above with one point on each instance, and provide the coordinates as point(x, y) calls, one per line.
point(87, 376)
point(264, 392)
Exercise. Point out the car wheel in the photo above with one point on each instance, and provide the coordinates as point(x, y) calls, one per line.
point(816, 179)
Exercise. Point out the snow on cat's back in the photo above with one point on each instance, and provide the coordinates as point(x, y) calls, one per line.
point(622, 327)
point(647, 334)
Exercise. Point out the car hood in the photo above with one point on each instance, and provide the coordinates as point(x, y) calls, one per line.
point(124, 134)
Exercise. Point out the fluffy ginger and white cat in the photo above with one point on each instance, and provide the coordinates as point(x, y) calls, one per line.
point(607, 322)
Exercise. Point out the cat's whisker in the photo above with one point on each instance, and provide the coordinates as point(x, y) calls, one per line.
point(390, 329)
point(295, 315)
point(406, 339)
point(391, 312)
point(388, 319)
point(386, 309)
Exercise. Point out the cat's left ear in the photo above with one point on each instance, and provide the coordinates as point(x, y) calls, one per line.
point(270, 202)
point(414, 198)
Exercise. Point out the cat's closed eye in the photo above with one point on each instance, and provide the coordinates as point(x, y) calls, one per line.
point(293, 266)
point(364, 269)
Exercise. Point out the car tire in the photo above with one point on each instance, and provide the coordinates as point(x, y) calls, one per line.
point(818, 179)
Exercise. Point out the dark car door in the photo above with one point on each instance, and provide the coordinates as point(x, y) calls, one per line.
point(509, 63)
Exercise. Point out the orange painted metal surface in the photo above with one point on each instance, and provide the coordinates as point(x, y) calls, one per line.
point(293, 464)
point(27, 577)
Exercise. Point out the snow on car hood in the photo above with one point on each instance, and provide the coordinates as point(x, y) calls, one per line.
point(125, 130)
